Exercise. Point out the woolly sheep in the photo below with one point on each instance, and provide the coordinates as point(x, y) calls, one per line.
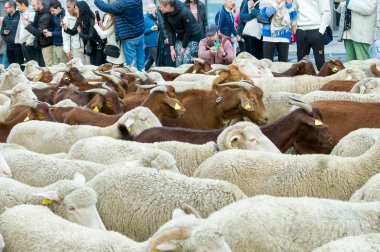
point(367, 86)
point(243, 135)
point(69, 199)
point(4, 99)
point(305, 83)
point(370, 191)
point(323, 176)
point(40, 170)
point(277, 104)
point(4, 167)
point(35, 228)
point(136, 202)
point(11, 78)
point(66, 103)
point(51, 137)
point(265, 223)
point(366, 242)
point(343, 96)
point(364, 65)
point(356, 142)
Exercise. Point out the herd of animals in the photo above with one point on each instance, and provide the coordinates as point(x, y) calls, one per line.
point(253, 156)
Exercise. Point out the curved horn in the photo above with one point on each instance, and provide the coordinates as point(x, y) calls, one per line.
point(218, 68)
point(159, 89)
point(146, 86)
point(111, 77)
point(332, 56)
point(202, 61)
point(97, 90)
point(307, 107)
point(180, 233)
point(32, 104)
point(295, 99)
point(244, 85)
point(106, 87)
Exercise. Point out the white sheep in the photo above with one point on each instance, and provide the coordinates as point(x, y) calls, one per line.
point(5, 170)
point(11, 78)
point(370, 191)
point(243, 135)
point(66, 103)
point(292, 175)
point(51, 137)
point(364, 65)
point(69, 199)
point(136, 202)
point(342, 96)
point(40, 170)
point(266, 223)
point(277, 104)
point(304, 83)
point(365, 242)
point(367, 86)
point(35, 228)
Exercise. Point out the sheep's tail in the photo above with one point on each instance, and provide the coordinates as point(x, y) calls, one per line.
point(124, 133)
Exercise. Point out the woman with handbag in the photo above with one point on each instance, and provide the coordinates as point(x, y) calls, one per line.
point(106, 30)
point(277, 17)
point(94, 45)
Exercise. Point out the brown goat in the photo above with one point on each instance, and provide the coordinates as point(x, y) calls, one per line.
point(298, 127)
point(210, 109)
point(22, 113)
point(230, 73)
point(44, 76)
point(338, 85)
point(300, 68)
point(46, 94)
point(332, 66)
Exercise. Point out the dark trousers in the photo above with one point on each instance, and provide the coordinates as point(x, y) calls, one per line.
point(254, 46)
point(14, 54)
point(151, 55)
point(30, 53)
point(311, 39)
point(282, 50)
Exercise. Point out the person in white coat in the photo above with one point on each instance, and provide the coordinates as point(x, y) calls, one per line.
point(357, 26)
point(106, 30)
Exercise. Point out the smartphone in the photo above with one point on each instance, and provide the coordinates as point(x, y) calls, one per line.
point(216, 44)
point(97, 15)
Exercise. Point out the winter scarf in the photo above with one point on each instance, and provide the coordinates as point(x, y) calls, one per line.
point(280, 23)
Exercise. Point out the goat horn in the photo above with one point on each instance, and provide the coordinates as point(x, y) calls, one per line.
point(111, 77)
point(217, 68)
point(146, 86)
point(139, 75)
point(295, 99)
point(332, 56)
point(159, 89)
point(202, 61)
point(97, 90)
point(167, 235)
point(244, 85)
point(32, 104)
point(106, 87)
point(307, 107)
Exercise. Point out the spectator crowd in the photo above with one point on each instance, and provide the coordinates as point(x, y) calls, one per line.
point(177, 31)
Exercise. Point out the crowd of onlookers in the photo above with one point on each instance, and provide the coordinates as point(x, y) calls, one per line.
point(176, 31)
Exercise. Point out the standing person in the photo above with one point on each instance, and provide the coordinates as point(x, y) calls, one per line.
point(58, 14)
point(184, 33)
point(9, 30)
point(357, 26)
point(73, 45)
point(225, 20)
point(276, 34)
point(150, 35)
point(198, 9)
point(249, 11)
point(42, 21)
point(129, 21)
point(163, 49)
point(24, 37)
point(84, 26)
point(312, 19)
point(106, 30)
point(3, 49)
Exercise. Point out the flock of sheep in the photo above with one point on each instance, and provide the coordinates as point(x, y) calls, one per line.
point(88, 188)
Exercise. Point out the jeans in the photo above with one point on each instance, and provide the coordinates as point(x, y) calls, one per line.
point(4, 60)
point(134, 52)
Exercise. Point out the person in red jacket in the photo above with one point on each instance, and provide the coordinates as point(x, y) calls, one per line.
point(216, 48)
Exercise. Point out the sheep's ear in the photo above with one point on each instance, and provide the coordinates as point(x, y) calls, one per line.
point(7, 92)
point(79, 178)
point(48, 197)
point(178, 213)
point(166, 246)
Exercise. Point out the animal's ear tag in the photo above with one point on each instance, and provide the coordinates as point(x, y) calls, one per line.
point(334, 70)
point(177, 106)
point(96, 109)
point(318, 123)
point(157, 250)
point(26, 119)
point(247, 105)
point(46, 202)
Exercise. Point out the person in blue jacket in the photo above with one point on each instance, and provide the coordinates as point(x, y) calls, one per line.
point(225, 20)
point(151, 35)
point(129, 21)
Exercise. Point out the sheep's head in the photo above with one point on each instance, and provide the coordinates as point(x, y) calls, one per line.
point(5, 170)
point(245, 135)
point(139, 119)
point(188, 232)
point(73, 201)
point(353, 74)
point(22, 92)
point(31, 66)
point(331, 66)
point(367, 86)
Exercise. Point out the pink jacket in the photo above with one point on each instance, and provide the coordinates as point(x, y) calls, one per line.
point(204, 52)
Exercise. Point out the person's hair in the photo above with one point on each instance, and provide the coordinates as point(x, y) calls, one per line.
point(85, 16)
point(166, 2)
point(110, 22)
point(188, 1)
point(55, 4)
point(73, 2)
point(40, 1)
point(24, 2)
point(11, 3)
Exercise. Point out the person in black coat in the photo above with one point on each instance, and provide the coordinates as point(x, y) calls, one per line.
point(163, 49)
point(198, 9)
point(184, 33)
point(94, 45)
point(8, 31)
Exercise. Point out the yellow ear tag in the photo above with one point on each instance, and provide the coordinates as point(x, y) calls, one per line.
point(96, 109)
point(46, 202)
point(26, 119)
point(177, 106)
point(334, 70)
point(318, 123)
point(129, 129)
point(247, 105)
point(157, 250)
